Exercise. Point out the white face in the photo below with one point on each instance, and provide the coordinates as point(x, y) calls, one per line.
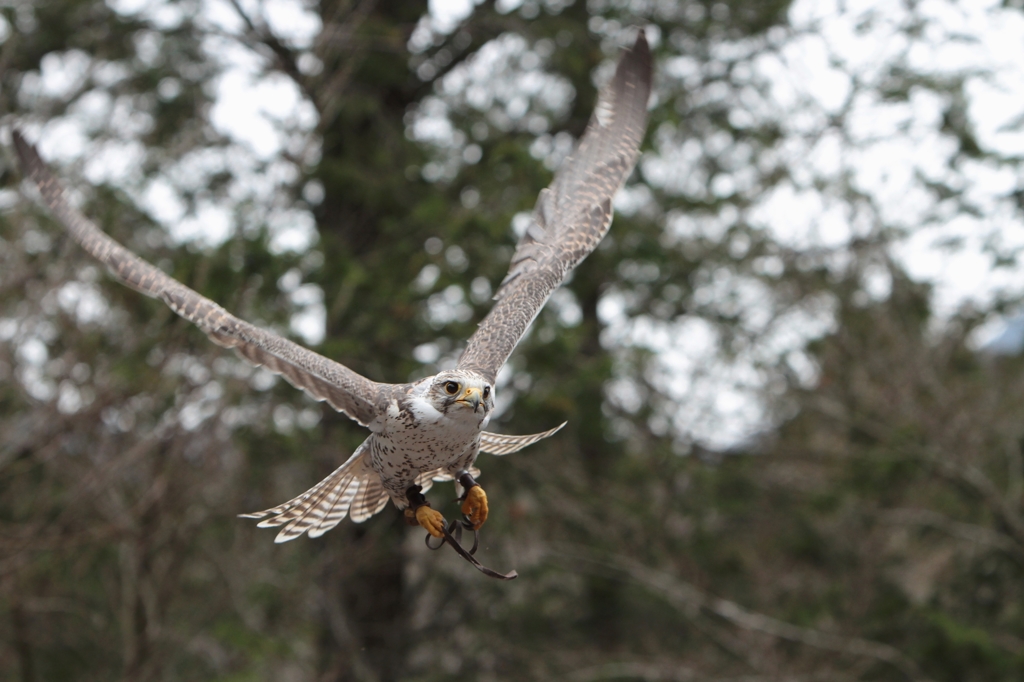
point(455, 391)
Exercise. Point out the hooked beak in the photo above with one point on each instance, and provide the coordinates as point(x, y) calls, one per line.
point(471, 397)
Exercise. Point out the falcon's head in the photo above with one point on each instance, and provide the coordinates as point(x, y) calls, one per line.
point(452, 391)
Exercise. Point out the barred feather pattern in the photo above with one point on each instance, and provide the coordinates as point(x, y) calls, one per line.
point(570, 219)
point(501, 444)
point(353, 489)
point(372, 499)
point(320, 377)
point(571, 216)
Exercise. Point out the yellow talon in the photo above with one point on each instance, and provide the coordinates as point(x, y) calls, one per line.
point(475, 506)
point(430, 519)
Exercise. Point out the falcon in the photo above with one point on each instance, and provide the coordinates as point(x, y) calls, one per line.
point(432, 429)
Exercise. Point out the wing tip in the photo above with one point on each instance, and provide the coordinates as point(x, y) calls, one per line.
point(635, 65)
point(28, 155)
point(641, 40)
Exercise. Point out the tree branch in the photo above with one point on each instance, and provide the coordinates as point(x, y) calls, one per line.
point(262, 35)
point(969, 532)
point(690, 599)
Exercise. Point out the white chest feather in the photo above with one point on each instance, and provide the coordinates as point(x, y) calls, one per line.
point(424, 412)
point(423, 425)
point(421, 439)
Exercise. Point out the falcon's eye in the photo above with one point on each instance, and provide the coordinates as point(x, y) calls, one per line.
point(451, 388)
point(487, 392)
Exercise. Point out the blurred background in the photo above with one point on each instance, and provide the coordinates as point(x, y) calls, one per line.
point(791, 373)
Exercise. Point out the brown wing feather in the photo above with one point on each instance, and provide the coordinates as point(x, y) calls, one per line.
point(321, 378)
point(572, 215)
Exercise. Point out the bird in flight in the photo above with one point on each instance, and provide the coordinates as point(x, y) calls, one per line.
point(432, 429)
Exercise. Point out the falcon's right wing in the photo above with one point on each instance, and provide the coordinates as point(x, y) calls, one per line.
point(320, 377)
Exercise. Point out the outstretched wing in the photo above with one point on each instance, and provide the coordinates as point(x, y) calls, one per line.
point(321, 378)
point(571, 216)
point(502, 444)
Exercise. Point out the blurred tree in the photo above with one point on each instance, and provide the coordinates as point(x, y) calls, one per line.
point(872, 529)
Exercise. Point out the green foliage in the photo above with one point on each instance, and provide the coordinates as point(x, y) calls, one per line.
point(883, 509)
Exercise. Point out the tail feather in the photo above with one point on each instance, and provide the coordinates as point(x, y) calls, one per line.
point(292, 509)
point(341, 506)
point(310, 513)
point(353, 489)
point(372, 498)
point(286, 506)
point(322, 517)
point(330, 511)
point(427, 478)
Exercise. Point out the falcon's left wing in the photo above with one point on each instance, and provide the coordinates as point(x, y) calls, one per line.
point(571, 216)
point(320, 377)
point(502, 444)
